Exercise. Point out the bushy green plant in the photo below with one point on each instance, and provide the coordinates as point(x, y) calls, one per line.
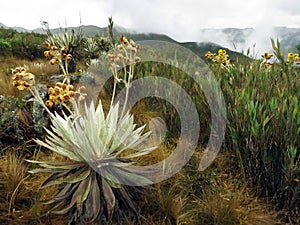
point(22, 45)
point(68, 39)
point(263, 126)
point(5, 47)
point(28, 46)
point(93, 48)
point(14, 126)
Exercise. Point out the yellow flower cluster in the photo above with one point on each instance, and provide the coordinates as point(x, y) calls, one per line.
point(292, 57)
point(22, 79)
point(57, 55)
point(210, 55)
point(60, 93)
point(125, 54)
point(221, 57)
point(266, 62)
point(267, 55)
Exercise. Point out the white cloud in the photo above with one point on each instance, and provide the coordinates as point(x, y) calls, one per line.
point(181, 19)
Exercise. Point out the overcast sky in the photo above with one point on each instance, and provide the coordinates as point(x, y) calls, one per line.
point(180, 19)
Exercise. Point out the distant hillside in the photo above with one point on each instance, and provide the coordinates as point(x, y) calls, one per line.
point(19, 29)
point(234, 40)
point(242, 39)
point(91, 31)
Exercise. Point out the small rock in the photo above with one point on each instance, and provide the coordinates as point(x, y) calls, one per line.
point(84, 78)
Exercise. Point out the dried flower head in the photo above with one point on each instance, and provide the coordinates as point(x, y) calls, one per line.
point(22, 79)
point(63, 93)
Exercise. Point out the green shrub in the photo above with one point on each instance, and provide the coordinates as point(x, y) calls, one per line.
point(5, 47)
point(263, 128)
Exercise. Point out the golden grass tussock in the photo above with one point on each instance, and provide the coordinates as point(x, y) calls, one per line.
point(20, 196)
point(229, 204)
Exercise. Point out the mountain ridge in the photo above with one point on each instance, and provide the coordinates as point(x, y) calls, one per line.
point(230, 37)
point(235, 40)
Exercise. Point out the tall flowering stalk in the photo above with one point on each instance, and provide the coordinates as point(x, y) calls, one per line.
point(59, 56)
point(124, 56)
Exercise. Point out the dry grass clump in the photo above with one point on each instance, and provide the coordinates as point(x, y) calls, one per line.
point(220, 196)
point(42, 69)
point(6, 87)
point(20, 196)
point(211, 197)
point(228, 204)
point(164, 204)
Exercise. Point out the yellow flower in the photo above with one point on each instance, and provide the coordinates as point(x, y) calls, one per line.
point(21, 87)
point(69, 57)
point(69, 87)
point(63, 86)
point(49, 103)
point(53, 47)
point(15, 83)
point(71, 94)
point(47, 54)
point(52, 98)
point(66, 97)
point(208, 55)
point(218, 57)
point(222, 52)
point(291, 55)
point(48, 45)
point(63, 49)
point(267, 56)
point(53, 61)
point(123, 40)
point(50, 91)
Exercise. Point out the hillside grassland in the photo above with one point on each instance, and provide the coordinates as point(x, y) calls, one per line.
point(255, 178)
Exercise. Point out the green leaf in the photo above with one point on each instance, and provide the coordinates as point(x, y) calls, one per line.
point(68, 177)
point(58, 165)
point(82, 192)
point(78, 176)
point(109, 197)
point(55, 178)
point(295, 112)
point(63, 194)
point(62, 151)
point(41, 170)
point(93, 202)
point(266, 121)
point(293, 151)
point(66, 209)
